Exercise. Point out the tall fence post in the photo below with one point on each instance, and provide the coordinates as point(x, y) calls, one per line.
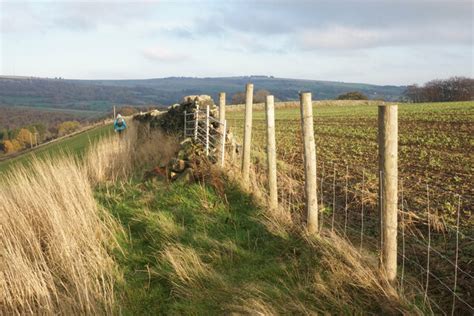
point(207, 130)
point(224, 131)
point(222, 107)
point(271, 153)
point(388, 190)
point(309, 162)
point(223, 124)
point(196, 122)
point(185, 124)
point(247, 133)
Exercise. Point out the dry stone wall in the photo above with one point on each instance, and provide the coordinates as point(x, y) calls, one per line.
point(191, 159)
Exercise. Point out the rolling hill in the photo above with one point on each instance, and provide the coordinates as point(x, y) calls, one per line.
point(100, 95)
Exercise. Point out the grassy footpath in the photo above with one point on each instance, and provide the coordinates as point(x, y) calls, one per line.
point(76, 145)
point(190, 253)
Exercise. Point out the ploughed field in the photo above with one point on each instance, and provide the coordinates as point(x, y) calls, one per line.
point(435, 150)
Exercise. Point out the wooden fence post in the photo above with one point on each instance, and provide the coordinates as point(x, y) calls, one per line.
point(247, 134)
point(223, 124)
point(310, 186)
point(224, 131)
point(207, 130)
point(388, 186)
point(222, 107)
point(271, 153)
point(196, 122)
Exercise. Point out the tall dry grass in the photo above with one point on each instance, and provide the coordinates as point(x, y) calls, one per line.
point(54, 242)
point(114, 158)
point(111, 158)
point(54, 239)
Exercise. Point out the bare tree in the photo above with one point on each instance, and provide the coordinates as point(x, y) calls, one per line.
point(452, 89)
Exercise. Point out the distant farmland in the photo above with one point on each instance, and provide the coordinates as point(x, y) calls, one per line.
point(75, 145)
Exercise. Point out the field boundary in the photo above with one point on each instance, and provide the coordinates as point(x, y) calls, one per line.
point(428, 247)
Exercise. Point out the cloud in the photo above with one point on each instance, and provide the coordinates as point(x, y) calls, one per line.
point(338, 37)
point(162, 54)
point(307, 25)
point(348, 24)
point(28, 16)
point(343, 37)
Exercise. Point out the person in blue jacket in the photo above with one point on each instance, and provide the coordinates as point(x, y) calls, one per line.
point(119, 124)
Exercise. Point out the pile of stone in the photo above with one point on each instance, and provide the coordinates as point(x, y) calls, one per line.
point(172, 120)
point(185, 167)
point(191, 156)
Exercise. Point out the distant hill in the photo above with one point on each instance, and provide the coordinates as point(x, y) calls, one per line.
point(100, 95)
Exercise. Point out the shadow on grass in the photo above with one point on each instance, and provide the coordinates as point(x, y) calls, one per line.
point(188, 252)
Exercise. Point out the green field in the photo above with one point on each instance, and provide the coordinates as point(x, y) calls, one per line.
point(75, 145)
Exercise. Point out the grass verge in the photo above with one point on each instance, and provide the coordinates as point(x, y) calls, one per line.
point(192, 250)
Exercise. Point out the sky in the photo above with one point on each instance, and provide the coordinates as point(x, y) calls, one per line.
point(371, 41)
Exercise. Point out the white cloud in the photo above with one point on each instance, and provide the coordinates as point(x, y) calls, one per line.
point(338, 37)
point(27, 16)
point(163, 54)
point(344, 37)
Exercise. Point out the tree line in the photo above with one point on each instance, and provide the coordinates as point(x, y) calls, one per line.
point(444, 90)
point(14, 140)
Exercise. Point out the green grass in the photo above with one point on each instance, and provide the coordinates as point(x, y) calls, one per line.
point(237, 260)
point(75, 145)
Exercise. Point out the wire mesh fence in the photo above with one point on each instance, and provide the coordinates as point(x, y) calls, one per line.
point(435, 241)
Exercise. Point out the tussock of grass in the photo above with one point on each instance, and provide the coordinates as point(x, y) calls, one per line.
point(188, 270)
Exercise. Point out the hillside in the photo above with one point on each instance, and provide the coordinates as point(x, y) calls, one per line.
point(101, 95)
point(13, 117)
